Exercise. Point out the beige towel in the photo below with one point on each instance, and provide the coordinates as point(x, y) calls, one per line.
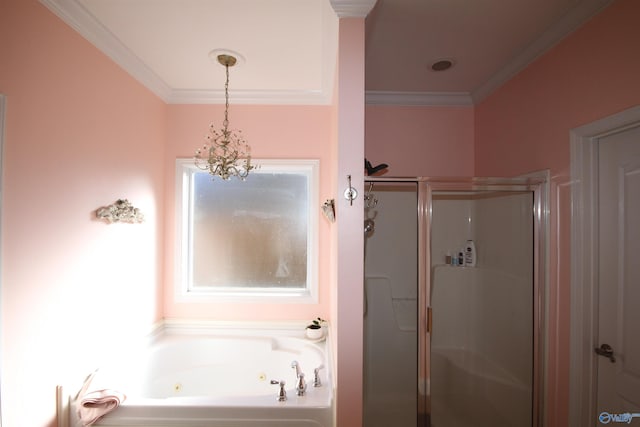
point(95, 400)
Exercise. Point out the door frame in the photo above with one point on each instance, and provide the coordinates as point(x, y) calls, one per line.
point(583, 379)
point(2, 125)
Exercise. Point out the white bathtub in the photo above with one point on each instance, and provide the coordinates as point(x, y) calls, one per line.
point(221, 377)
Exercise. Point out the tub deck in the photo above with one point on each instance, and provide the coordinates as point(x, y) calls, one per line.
point(220, 378)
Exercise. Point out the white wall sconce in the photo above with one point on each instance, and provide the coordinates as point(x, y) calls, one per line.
point(120, 211)
point(329, 210)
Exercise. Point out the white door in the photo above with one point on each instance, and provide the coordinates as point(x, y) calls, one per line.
point(618, 375)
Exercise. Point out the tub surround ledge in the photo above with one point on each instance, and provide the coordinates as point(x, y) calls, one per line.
point(184, 372)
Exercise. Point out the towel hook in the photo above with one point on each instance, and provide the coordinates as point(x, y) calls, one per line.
point(350, 193)
point(370, 199)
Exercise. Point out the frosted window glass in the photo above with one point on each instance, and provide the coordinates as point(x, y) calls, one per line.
point(251, 233)
point(252, 237)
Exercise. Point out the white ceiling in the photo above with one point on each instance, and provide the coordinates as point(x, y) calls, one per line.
point(287, 48)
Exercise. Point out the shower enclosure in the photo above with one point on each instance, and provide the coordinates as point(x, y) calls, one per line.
point(449, 344)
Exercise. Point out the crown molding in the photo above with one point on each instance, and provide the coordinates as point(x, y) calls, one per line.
point(254, 97)
point(81, 20)
point(352, 8)
point(418, 98)
point(570, 22)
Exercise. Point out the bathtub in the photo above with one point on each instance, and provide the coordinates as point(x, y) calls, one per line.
point(221, 377)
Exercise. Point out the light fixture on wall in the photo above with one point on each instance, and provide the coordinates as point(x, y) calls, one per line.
point(226, 153)
point(120, 211)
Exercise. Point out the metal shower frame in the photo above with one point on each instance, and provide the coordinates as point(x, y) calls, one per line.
point(538, 184)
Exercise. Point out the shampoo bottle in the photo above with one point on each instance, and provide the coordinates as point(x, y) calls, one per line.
point(470, 254)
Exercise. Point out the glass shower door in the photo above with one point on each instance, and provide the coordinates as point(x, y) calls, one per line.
point(449, 344)
point(482, 308)
point(391, 292)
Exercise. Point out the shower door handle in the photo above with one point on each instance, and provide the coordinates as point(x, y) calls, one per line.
point(605, 350)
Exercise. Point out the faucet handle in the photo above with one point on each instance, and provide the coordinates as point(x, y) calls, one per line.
point(301, 385)
point(282, 393)
point(316, 376)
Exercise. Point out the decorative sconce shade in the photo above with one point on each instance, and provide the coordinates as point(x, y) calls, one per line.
point(120, 211)
point(226, 153)
point(329, 210)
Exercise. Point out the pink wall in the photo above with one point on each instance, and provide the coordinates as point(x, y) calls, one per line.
point(421, 141)
point(80, 133)
point(277, 132)
point(349, 255)
point(591, 74)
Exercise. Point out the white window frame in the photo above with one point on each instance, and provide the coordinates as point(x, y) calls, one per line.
point(184, 292)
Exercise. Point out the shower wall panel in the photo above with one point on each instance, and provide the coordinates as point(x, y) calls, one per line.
point(390, 289)
point(504, 233)
point(482, 337)
point(453, 226)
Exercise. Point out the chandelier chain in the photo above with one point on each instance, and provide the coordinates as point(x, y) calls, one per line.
point(225, 123)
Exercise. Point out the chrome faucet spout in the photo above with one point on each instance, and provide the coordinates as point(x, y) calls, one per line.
point(296, 366)
point(301, 384)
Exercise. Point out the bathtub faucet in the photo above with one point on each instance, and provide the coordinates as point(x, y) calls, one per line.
point(301, 385)
point(295, 365)
point(316, 376)
point(282, 394)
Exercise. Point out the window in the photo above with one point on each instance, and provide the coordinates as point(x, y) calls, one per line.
point(251, 240)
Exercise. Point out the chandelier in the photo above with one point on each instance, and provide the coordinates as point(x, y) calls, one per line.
point(225, 153)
